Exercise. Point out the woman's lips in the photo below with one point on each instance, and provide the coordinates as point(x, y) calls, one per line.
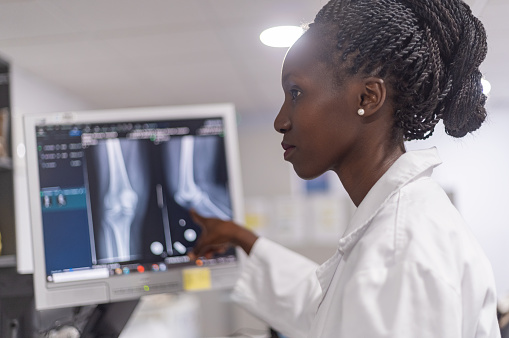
point(287, 148)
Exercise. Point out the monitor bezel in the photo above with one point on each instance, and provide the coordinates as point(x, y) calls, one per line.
point(98, 291)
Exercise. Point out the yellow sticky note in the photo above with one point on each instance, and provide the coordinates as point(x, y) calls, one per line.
point(196, 279)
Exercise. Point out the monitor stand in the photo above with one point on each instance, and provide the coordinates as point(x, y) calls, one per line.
point(108, 320)
point(16, 304)
point(19, 318)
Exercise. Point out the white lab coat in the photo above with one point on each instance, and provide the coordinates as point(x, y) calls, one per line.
point(407, 266)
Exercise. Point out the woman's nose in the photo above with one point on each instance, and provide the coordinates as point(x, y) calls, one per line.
point(282, 122)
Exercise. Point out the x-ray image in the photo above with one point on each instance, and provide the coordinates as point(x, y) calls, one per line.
point(195, 178)
point(122, 197)
point(141, 193)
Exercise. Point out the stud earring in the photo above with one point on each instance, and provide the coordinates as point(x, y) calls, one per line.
point(360, 112)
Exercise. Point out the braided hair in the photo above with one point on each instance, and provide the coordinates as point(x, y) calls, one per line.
point(429, 52)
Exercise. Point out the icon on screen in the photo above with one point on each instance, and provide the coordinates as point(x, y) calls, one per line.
point(46, 201)
point(61, 200)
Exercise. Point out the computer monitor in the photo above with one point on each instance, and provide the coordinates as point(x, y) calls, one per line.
point(110, 193)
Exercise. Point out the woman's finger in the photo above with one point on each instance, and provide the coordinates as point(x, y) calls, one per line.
point(197, 218)
point(203, 250)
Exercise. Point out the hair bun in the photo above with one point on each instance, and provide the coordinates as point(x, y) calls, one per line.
point(461, 38)
point(466, 110)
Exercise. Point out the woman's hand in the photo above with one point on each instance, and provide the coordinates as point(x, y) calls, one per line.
point(217, 235)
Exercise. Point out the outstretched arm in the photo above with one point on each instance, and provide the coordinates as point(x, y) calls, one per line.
point(276, 285)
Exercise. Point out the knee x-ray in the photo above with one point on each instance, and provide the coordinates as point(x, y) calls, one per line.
point(141, 192)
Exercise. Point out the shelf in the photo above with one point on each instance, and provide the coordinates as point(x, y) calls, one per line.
point(5, 163)
point(7, 261)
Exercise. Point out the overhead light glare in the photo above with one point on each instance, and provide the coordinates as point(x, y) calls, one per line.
point(486, 86)
point(281, 36)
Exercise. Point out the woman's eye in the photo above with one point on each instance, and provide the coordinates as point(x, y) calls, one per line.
point(295, 93)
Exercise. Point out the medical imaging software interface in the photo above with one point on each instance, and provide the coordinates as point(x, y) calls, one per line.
point(115, 197)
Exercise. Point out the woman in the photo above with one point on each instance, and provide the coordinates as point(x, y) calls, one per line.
point(366, 76)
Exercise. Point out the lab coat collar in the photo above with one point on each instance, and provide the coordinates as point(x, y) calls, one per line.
point(407, 168)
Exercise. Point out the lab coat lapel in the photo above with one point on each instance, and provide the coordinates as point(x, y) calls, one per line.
point(408, 167)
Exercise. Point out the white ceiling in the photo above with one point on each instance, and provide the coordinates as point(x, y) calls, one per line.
point(124, 53)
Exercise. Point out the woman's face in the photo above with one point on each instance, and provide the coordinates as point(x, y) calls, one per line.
point(318, 119)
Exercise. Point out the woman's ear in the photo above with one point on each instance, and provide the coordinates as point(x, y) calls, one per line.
point(373, 95)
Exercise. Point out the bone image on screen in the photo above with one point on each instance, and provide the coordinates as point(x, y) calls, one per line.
point(117, 171)
point(119, 204)
point(195, 177)
point(189, 194)
point(141, 192)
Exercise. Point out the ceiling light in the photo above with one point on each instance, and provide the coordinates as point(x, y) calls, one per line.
point(281, 36)
point(486, 86)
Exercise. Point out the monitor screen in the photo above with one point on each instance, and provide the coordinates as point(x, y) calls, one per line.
point(110, 194)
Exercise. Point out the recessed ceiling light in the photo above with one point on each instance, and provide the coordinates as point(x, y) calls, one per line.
point(281, 36)
point(486, 86)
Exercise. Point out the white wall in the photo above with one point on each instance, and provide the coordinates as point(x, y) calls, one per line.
point(264, 171)
point(475, 170)
point(30, 95)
